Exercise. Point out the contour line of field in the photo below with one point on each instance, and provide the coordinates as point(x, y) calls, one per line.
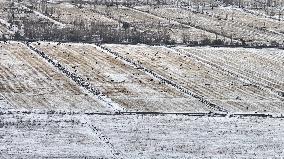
point(103, 99)
point(272, 90)
point(187, 25)
point(162, 79)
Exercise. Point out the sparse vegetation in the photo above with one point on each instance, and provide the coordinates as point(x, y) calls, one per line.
point(141, 78)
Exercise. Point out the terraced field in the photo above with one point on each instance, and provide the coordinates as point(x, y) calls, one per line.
point(143, 20)
point(72, 86)
point(115, 16)
point(27, 82)
point(241, 17)
point(262, 65)
point(226, 83)
point(132, 88)
point(146, 78)
point(230, 29)
point(68, 13)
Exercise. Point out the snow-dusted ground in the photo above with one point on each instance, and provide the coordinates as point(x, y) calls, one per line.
point(242, 84)
point(139, 136)
point(4, 25)
point(240, 17)
point(68, 13)
point(27, 82)
point(146, 21)
point(41, 136)
point(261, 64)
point(133, 16)
point(127, 85)
point(225, 27)
point(46, 113)
point(39, 15)
point(278, 13)
point(4, 30)
point(146, 78)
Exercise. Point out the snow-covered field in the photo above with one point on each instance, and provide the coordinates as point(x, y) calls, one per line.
point(189, 24)
point(241, 17)
point(127, 85)
point(87, 15)
point(68, 13)
point(222, 26)
point(28, 82)
point(143, 20)
point(142, 78)
point(46, 115)
point(138, 136)
point(245, 83)
point(260, 64)
point(78, 100)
